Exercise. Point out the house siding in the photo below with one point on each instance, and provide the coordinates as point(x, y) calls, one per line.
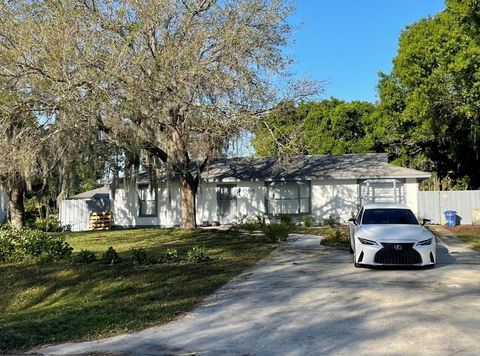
point(411, 194)
point(338, 198)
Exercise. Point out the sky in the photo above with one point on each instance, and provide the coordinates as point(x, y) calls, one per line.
point(347, 42)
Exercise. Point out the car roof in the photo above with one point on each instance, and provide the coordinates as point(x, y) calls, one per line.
point(385, 206)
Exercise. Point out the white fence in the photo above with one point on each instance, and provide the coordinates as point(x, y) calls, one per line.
point(431, 205)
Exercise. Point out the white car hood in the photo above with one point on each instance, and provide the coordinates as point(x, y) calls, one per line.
point(393, 232)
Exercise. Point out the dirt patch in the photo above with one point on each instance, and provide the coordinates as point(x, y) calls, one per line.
point(468, 233)
point(465, 230)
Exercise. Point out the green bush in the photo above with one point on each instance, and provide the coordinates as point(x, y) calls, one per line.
point(308, 220)
point(110, 257)
point(277, 232)
point(50, 224)
point(331, 221)
point(197, 254)
point(286, 219)
point(250, 223)
point(335, 237)
point(138, 256)
point(85, 257)
point(7, 248)
point(170, 255)
point(19, 244)
point(250, 226)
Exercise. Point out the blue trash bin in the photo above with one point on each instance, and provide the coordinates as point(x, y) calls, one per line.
point(451, 217)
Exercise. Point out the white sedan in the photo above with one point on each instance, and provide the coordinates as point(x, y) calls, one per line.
point(389, 234)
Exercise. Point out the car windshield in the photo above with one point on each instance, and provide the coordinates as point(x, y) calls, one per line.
point(389, 216)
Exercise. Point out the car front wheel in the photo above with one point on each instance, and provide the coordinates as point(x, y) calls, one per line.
point(355, 264)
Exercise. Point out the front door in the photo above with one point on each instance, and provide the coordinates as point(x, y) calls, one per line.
point(227, 203)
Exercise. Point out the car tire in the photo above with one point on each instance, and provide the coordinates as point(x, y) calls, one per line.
point(355, 264)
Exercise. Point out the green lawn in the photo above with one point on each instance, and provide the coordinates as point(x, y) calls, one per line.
point(61, 301)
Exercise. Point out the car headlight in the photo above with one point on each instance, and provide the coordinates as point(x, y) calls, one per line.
point(367, 242)
point(425, 242)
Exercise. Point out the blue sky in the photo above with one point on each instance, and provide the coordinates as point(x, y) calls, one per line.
point(347, 42)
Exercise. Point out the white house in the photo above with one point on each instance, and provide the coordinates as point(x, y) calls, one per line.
point(233, 188)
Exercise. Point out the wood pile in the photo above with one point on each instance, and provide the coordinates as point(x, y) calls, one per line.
point(100, 221)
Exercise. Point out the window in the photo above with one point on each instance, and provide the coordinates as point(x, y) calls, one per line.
point(389, 216)
point(147, 199)
point(288, 198)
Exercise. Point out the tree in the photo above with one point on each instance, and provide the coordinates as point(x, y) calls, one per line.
point(42, 88)
point(184, 77)
point(430, 102)
point(325, 127)
point(166, 83)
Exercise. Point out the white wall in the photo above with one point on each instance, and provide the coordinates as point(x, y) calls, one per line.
point(126, 207)
point(331, 197)
point(75, 214)
point(334, 197)
point(250, 201)
point(411, 194)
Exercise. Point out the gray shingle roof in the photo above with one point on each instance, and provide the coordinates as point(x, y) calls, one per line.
point(309, 167)
point(92, 193)
point(349, 166)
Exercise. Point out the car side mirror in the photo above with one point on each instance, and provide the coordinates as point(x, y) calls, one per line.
point(353, 220)
point(426, 222)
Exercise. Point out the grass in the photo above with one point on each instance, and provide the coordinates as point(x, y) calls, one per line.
point(57, 302)
point(469, 233)
point(332, 236)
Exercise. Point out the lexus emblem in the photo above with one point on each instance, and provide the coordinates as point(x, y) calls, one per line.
point(397, 247)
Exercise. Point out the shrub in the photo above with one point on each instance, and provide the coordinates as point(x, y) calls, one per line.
point(308, 220)
point(335, 237)
point(277, 232)
point(7, 248)
point(36, 243)
point(286, 219)
point(170, 255)
point(331, 221)
point(50, 224)
point(139, 256)
point(18, 244)
point(85, 257)
point(249, 223)
point(197, 254)
point(250, 227)
point(110, 257)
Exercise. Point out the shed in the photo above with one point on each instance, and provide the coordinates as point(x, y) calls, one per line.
point(75, 211)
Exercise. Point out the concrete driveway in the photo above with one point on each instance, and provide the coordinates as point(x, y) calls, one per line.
point(305, 299)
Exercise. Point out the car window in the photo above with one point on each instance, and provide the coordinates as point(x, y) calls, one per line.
point(389, 216)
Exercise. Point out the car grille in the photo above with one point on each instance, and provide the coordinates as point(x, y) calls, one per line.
point(392, 254)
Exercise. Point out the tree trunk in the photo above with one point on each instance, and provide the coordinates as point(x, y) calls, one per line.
point(188, 192)
point(64, 184)
point(15, 204)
